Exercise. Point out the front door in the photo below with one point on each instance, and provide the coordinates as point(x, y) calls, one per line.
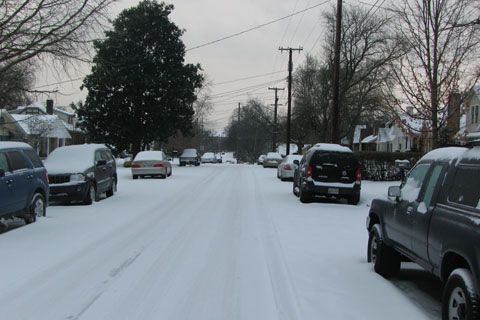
point(400, 229)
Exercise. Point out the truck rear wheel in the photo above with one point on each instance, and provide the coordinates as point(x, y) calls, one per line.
point(385, 259)
point(460, 301)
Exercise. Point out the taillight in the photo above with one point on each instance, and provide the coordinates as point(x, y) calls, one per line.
point(287, 167)
point(358, 176)
point(309, 172)
point(46, 175)
point(158, 165)
point(135, 165)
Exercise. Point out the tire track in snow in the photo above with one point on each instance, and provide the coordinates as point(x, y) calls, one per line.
point(281, 279)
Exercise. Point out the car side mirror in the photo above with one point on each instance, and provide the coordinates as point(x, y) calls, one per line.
point(2, 173)
point(394, 192)
point(101, 162)
point(296, 162)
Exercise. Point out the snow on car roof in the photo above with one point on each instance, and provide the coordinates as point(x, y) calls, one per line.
point(448, 153)
point(330, 147)
point(274, 155)
point(149, 155)
point(71, 159)
point(13, 144)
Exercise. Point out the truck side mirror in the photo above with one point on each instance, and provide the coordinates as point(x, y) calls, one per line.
point(101, 162)
point(394, 192)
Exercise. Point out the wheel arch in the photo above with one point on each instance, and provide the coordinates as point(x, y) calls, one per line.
point(450, 262)
point(373, 220)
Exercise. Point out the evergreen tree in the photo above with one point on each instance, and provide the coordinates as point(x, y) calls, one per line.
point(140, 90)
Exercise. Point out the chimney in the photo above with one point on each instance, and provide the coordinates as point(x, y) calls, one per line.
point(49, 106)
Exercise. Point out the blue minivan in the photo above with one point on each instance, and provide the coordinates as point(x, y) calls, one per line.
point(23, 183)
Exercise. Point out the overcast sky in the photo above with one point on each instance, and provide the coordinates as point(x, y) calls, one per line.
point(252, 56)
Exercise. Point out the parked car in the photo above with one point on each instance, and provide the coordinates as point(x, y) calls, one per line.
point(286, 168)
point(23, 183)
point(261, 158)
point(329, 170)
point(190, 156)
point(432, 219)
point(81, 173)
point(209, 157)
point(272, 160)
point(151, 163)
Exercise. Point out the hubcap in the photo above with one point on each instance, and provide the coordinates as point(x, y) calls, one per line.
point(38, 208)
point(373, 249)
point(457, 305)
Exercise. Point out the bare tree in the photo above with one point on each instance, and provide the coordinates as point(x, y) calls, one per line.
point(15, 85)
point(436, 59)
point(36, 29)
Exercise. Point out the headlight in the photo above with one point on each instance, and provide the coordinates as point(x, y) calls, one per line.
point(77, 177)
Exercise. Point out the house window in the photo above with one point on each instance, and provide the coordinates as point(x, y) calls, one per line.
point(474, 114)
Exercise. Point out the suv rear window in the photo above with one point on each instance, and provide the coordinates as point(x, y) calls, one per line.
point(466, 187)
point(340, 159)
point(37, 163)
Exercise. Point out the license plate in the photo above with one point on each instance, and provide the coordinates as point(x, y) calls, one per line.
point(333, 190)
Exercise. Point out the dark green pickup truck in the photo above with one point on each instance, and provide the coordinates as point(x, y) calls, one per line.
point(433, 219)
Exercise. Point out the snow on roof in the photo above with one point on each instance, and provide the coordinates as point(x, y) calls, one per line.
point(13, 144)
point(149, 155)
point(448, 153)
point(71, 159)
point(46, 125)
point(473, 135)
point(357, 133)
point(370, 139)
point(415, 125)
point(330, 147)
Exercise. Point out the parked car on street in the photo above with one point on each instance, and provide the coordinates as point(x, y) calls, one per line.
point(190, 156)
point(81, 173)
point(260, 159)
point(151, 163)
point(23, 183)
point(286, 168)
point(272, 160)
point(432, 219)
point(329, 170)
point(209, 157)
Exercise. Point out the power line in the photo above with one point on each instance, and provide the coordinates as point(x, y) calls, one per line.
point(248, 78)
point(257, 27)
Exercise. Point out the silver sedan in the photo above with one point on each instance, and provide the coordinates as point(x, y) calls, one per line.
point(286, 168)
point(151, 163)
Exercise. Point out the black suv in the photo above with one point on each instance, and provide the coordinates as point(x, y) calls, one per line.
point(328, 170)
point(23, 183)
point(433, 220)
point(81, 173)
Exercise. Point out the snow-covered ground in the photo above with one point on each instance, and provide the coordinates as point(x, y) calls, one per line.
point(218, 241)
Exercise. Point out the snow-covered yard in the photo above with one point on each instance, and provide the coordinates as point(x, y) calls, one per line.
point(218, 241)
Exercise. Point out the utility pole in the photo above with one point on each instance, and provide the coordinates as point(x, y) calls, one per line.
point(336, 74)
point(274, 136)
point(289, 109)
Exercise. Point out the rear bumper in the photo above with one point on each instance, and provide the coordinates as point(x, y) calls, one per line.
point(341, 190)
point(149, 171)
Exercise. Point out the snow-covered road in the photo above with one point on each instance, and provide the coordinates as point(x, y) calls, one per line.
point(210, 242)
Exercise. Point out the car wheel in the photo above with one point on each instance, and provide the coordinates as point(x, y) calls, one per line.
point(90, 195)
point(170, 173)
point(305, 197)
point(354, 199)
point(295, 189)
point(37, 208)
point(163, 176)
point(113, 188)
point(460, 301)
point(134, 177)
point(385, 259)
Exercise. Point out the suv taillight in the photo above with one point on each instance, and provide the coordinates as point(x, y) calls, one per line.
point(309, 172)
point(358, 176)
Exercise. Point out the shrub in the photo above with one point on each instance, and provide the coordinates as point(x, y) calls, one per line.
point(380, 166)
point(127, 164)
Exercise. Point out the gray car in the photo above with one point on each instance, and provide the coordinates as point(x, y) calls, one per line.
point(190, 156)
point(272, 160)
point(286, 168)
point(151, 163)
point(81, 173)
